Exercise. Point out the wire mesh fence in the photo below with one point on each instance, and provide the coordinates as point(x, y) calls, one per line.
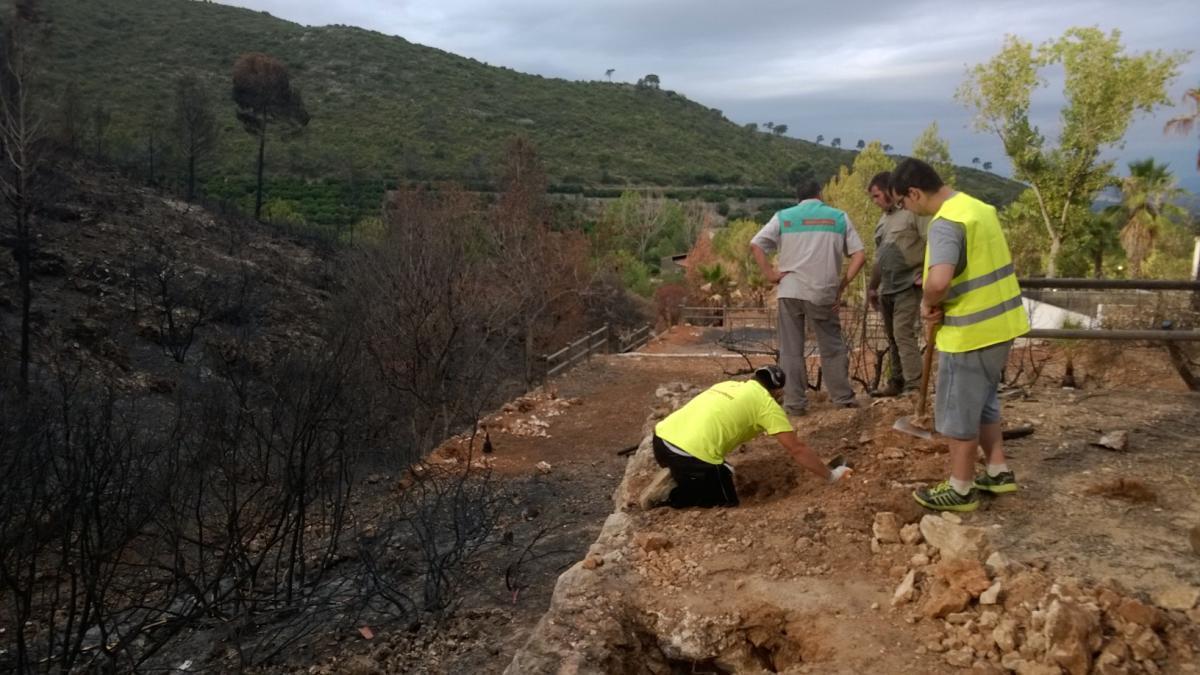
point(1135, 313)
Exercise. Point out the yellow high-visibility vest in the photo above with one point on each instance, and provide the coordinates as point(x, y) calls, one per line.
point(983, 306)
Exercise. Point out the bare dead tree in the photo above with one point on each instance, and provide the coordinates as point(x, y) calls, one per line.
point(195, 126)
point(101, 121)
point(21, 140)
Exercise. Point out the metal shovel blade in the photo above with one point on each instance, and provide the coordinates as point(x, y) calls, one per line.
point(905, 426)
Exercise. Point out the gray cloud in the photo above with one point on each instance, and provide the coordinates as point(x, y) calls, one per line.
point(854, 69)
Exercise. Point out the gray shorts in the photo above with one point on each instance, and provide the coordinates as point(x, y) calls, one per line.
point(966, 390)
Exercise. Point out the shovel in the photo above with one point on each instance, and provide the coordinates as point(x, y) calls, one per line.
point(905, 425)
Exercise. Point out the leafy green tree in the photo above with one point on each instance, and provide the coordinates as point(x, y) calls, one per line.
point(1104, 88)
point(639, 224)
point(932, 148)
point(1184, 124)
point(987, 166)
point(1147, 209)
point(751, 126)
point(820, 138)
point(799, 173)
point(718, 283)
point(975, 161)
point(860, 144)
point(732, 244)
point(195, 126)
point(887, 148)
point(263, 92)
point(780, 129)
point(650, 81)
point(609, 73)
point(836, 143)
point(848, 191)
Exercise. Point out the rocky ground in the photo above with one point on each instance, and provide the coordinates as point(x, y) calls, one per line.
point(1088, 569)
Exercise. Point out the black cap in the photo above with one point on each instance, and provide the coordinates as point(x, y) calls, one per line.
point(770, 377)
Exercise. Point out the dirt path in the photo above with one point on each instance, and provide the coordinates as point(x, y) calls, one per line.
point(797, 560)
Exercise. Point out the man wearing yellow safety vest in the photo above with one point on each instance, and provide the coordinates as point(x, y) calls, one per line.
point(971, 294)
point(692, 442)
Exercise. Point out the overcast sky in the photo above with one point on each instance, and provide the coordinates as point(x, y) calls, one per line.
point(850, 68)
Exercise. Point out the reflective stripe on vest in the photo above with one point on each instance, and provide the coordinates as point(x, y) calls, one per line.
point(983, 306)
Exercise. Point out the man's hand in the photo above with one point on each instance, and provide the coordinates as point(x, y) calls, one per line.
point(932, 315)
point(773, 275)
point(839, 473)
point(873, 299)
point(918, 278)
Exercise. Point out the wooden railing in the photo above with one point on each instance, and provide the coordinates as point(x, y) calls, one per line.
point(600, 341)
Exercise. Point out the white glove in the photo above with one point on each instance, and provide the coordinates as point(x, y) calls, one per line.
point(836, 474)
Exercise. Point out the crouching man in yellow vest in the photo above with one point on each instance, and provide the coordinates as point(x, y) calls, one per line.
point(971, 291)
point(692, 442)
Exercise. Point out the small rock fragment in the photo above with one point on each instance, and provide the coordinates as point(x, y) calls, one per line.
point(992, 595)
point(905, 591)
point(965, 573)
point(1180, 598)
point(886, 527)
point(945, 601)
point(1114, 440)
point(652, 541)
point(911, 534)
point(543, 467)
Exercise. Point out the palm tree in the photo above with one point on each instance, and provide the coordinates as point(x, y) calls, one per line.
point(1183, 124)
point(820, 138)
point(1147, 196)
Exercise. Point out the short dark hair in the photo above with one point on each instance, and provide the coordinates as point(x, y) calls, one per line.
point(881, 180)
point(913, 173)
point(808, 189)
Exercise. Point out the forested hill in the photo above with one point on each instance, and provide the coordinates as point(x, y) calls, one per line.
point(382, 106)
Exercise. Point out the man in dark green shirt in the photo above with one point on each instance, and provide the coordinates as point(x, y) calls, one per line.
point(895, 288)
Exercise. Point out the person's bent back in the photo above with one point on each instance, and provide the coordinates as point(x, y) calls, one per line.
point(693, 441)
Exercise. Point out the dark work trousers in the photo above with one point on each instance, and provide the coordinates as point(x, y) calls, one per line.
point(698, 483)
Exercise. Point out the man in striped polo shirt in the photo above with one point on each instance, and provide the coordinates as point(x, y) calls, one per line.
point(812, 238)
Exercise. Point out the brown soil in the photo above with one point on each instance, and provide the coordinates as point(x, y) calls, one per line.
point(796, 562)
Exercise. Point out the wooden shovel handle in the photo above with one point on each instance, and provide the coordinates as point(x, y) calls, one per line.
point(926, 368)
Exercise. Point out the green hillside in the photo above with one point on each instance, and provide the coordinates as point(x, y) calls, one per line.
point(384, 107)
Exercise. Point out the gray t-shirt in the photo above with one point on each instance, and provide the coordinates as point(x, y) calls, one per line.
point(948, 244)
point(811, 257)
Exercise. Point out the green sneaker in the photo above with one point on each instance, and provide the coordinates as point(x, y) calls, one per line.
point(1005, 482)
point(942, 497)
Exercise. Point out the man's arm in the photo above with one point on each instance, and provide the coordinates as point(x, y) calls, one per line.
point(767, 239)
point(803, 455)
point(768, 270)
point(873, 285)
point(857, 260)
point(947, 241)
